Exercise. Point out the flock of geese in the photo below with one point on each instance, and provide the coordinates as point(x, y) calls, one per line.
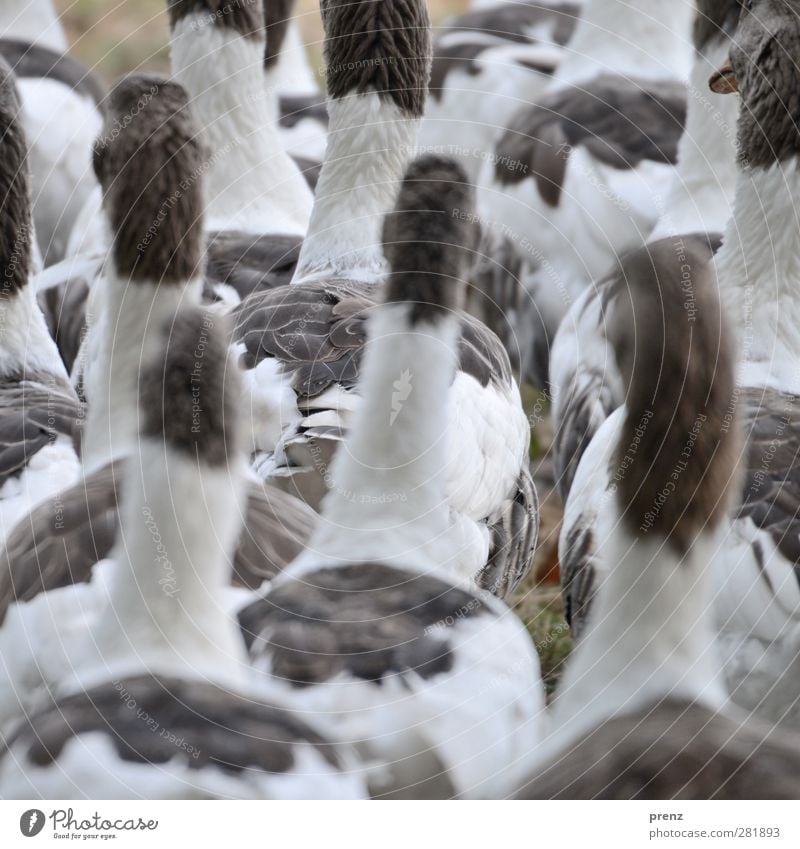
point(264, 463)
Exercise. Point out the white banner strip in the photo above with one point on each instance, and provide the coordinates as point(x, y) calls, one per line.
point(402, 825)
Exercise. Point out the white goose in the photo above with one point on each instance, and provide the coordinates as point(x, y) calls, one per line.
point(146, 173)
point(757, 599)
point(35, 21)
point(257, 202)
point(572, 179)
point(303, 123)
point(640, 712)
point(436, 681)
point(39, 412)
point(584, 381)
point(60, 115)
point(154, 699)
point(486, 64)
point(301, 344)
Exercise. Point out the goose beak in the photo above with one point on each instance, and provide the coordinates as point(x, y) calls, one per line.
point(723, 81)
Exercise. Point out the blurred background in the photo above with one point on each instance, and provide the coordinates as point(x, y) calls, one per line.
point(116, 36)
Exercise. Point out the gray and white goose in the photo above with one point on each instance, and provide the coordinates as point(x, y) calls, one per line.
point(486, 64)
point(757, 598)
point(257, 202)
point(40, 414)
point(437, 682)
point(302, 344)
point(303, 119)
point(151, 272)
point(584, 381)
point(61, 116)
point(572, 179)
point(157, 649)
point(641, 711)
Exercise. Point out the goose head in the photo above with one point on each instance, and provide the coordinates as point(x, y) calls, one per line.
point(149, 162)
point(762, 67)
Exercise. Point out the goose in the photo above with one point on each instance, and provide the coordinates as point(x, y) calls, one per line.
point(145, 170)
point(301, 344)
point(40, 414)
point(641, 711)
point(159, 703)
point(585, 385)
point(35, 21)
point(303, 119)
point(573, 176)
point(756, 589)
point(61, 116)
point(487, 62)
point(257, 202)
point(437, 681)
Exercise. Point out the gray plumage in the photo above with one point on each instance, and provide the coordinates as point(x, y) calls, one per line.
point(513, 541)
point(32, 61)
point(35, 410)
point(61, 540)
point(621, 121)
point(770, 488)
point(215, 728)
point(368, 620)
point(318, 330)
point(506, 22)
point(511, 20)
point(673, 750)
point(251, 263)
point(764, 58)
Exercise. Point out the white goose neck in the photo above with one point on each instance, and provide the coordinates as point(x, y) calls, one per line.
point(386, 495)
point(35, 21)
point(129, 327)
point(701, 195)
point(370, 142)
point(650, 635)
point(251, 183)
point(759, 272)
point(166, 610)
point(649, 39)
